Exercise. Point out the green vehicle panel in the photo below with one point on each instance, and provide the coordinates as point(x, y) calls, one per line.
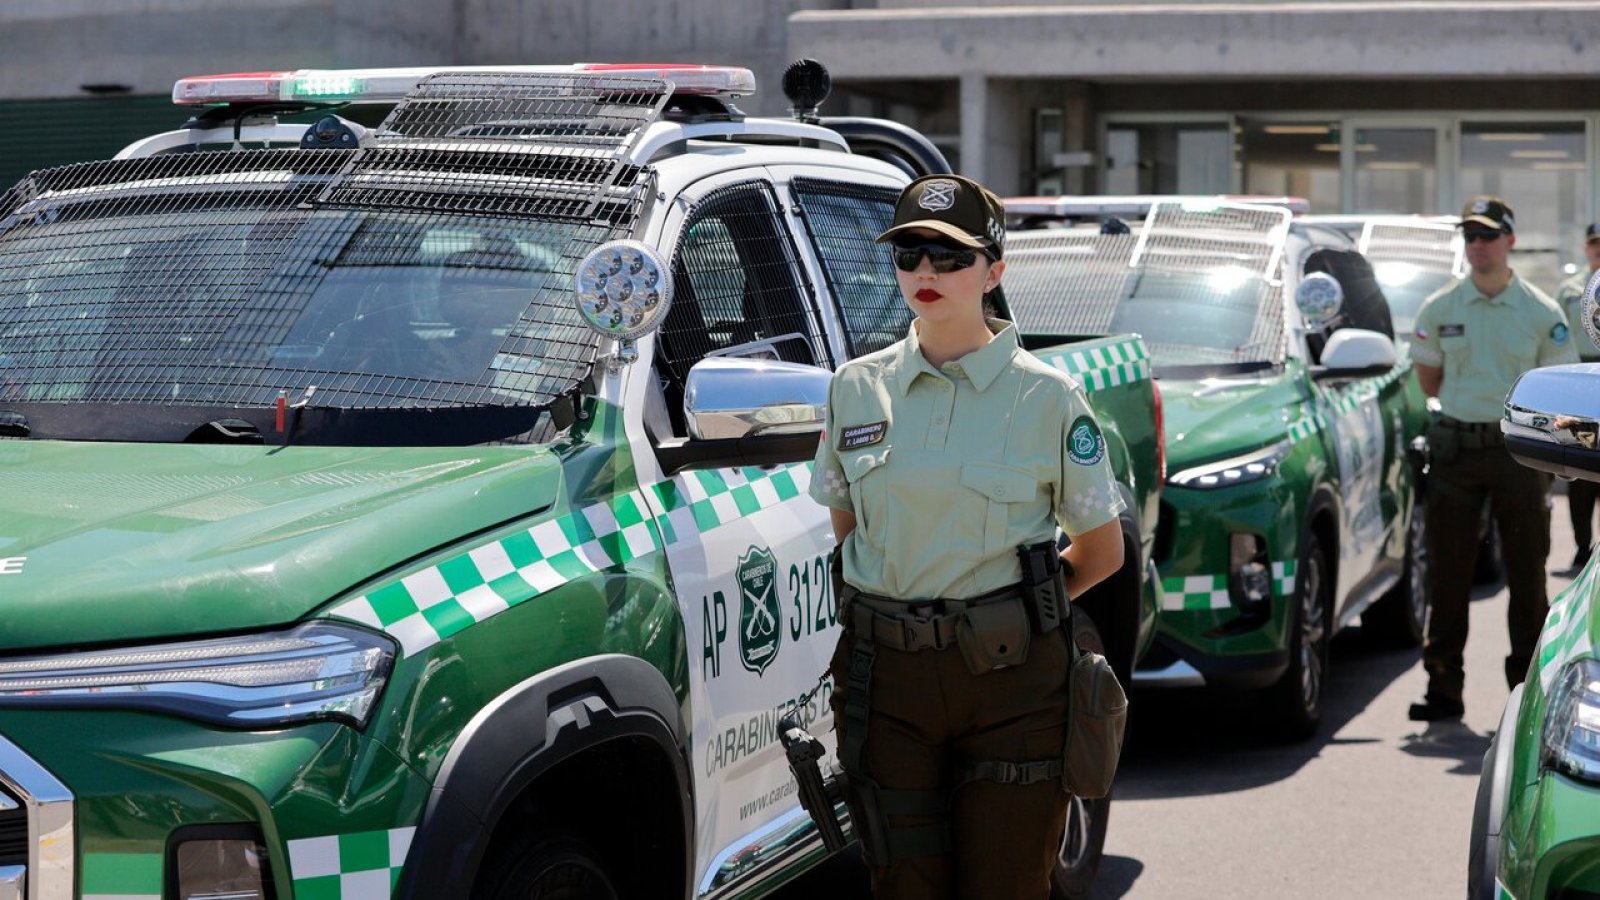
point(1536, 820)
point(1268, 451)
point(288, 616)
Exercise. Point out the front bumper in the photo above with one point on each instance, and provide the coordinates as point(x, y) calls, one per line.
point(325, 802)
point(1556, 850)
point(1203, 621)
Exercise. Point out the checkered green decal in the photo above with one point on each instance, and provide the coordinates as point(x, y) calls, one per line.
point(1317, 416)
point(1197, 592)
point(698, 501)
point(1105, 367)
point(432, 604)
point(364, 866)
point(1566, 628)
point(427, 606)
point(122, 876)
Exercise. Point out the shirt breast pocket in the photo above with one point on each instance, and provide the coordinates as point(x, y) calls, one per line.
point(1456, 350)
point(994, 492)
point(869, 489)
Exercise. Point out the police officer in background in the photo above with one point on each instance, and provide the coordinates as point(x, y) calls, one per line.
point(1473, 339)
point(945, 455)
point(1581, 494)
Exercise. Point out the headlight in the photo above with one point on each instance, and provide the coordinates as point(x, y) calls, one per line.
point(320, 670)
point(1252, 466)
point(1570, 742)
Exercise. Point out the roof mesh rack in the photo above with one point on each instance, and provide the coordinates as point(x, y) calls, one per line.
point(534, 144)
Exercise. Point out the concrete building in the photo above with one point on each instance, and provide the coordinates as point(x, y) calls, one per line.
point(1354, 104)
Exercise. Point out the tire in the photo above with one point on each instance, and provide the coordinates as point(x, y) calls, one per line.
point(1083, 843)
point(1400, 617)
point(1294, 704)
point(545, 867)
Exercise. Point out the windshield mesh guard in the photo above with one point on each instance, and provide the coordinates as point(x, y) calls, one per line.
point(1430, 246)
point(192, 279)
point(509, 143)
point(1199, 284)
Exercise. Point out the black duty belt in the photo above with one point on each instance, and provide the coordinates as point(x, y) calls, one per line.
point(912, 625)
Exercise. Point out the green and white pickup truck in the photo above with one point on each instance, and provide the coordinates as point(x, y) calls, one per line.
point(419, 509)
point(1293, 499)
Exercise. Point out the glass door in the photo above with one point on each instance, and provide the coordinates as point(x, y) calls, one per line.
point(1542, 170)
point(1395, 168)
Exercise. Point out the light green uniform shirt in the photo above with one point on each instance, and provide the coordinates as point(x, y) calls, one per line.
point(1484, 344)
point(1570, 297)
point(949, 469)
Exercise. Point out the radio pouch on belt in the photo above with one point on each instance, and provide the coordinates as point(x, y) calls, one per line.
point(1096, 720)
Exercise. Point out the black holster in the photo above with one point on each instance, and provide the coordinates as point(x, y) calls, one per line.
point(818, 793)
point(1043, 586)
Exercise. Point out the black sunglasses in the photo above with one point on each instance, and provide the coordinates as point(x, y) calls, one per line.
point(1477, 234)
point(944, 257)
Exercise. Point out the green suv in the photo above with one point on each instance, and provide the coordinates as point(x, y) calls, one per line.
point(1292, 502)
point(1536, 823)
point(418, 508)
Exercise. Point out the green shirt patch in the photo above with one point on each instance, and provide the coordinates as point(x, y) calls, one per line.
point(1088, 445)
point(1558, 334)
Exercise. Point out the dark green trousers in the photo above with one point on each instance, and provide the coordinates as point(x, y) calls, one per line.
point(1481, 468)
point(929, 716)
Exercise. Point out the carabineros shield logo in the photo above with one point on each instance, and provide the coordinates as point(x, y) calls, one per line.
point(760, 623)
point(1085, 444)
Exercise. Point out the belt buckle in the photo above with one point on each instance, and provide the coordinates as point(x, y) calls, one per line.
point(917, 633)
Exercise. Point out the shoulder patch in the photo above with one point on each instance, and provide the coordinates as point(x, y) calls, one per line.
point(1085, 444)
point(1558, 334)
point(1421, 333)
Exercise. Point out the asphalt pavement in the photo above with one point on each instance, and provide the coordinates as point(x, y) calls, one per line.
point(1208, 804)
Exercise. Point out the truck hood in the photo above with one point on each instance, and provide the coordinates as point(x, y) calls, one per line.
point(1216, 418)
point(103, 543)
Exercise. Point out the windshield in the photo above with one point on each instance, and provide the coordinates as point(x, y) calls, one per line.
point(220, 292)
point(1190, 309)
point(1405, 286)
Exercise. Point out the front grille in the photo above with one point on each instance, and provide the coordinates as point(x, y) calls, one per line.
point(13, 831)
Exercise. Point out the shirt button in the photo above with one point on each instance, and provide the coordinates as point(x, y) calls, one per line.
point(999, 492)
point(938, 420)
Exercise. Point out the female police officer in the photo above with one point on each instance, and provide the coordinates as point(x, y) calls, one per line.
point(943, 455)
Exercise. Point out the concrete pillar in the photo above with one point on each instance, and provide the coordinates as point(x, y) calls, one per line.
point(974, 124)
point(992, 139)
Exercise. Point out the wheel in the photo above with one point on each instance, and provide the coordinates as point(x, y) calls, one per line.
point(544, 867)
point(1295, 702)
point(1083, 843)
point(1400, 617)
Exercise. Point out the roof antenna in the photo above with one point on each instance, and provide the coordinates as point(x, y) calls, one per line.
point(806, 83)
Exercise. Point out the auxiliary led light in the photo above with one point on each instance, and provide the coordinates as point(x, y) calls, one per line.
point(624, 289)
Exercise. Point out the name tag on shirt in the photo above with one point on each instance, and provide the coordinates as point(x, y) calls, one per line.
point(858, 436)
point(1452, 330)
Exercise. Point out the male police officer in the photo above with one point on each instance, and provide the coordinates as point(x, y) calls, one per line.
point(1581, 494)
point(1473, 339)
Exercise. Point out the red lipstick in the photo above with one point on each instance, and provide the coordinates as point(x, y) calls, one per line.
point(928, 295)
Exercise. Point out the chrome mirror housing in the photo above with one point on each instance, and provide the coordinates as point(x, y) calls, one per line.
point(1552, 420)
point(735, 397)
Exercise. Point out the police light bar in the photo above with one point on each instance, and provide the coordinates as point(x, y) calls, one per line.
point(318, 86)
point(1134, 205)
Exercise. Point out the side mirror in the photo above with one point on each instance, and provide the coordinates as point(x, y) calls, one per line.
point(749, 412)
point(1356, 353)
point(1552, 420)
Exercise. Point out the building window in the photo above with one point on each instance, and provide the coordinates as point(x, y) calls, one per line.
point(1396, 170)
point(1297, 159)
point(1169, 158)
point(1542, 170)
